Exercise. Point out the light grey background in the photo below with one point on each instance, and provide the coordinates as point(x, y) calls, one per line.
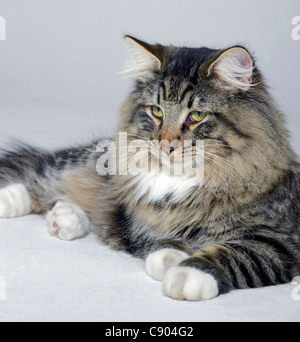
point(59, 85)
point(59, 66)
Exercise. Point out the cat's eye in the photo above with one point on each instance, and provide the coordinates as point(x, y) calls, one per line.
point(197, 116)
point(157, 112)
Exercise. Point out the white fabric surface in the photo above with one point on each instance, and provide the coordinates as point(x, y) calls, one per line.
point(51, 280)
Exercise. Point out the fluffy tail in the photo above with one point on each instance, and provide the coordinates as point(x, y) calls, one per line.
point(22, 164)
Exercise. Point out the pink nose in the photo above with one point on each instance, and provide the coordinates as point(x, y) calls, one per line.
point(168, 150)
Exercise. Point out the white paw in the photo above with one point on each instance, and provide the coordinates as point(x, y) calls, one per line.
point(186, 283)
point(67, 222)
point(158, 263)
point(14, 201)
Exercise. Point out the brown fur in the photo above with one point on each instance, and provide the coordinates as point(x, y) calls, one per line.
point(82, 188)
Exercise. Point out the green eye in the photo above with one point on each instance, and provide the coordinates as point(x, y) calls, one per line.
point(157, 112)
point(197, 116)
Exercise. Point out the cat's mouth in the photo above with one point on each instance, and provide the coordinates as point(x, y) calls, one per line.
point(180, 162)
point(152, 157)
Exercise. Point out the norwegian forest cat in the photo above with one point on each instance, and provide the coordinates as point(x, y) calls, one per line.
point(231, 223)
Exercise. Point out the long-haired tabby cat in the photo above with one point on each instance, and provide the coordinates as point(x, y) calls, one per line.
point(234, 227)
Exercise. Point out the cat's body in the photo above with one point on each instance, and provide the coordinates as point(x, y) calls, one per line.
point(234, 226)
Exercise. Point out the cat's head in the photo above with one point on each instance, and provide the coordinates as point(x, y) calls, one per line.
point(216, 97)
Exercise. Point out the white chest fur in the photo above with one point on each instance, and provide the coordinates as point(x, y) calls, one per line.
point(157, 187)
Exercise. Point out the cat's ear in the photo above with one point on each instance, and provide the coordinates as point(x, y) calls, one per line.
point(232, 69)
point(145, 58)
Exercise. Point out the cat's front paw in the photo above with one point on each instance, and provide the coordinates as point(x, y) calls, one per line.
point(67, 222)
point(187, 283)
point(159, 262)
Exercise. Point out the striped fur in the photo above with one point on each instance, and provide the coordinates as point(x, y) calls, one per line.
point(239, 226)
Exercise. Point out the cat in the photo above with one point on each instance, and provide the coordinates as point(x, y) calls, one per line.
point(231, 223)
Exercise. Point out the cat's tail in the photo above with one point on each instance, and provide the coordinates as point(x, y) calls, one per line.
point(22, 163)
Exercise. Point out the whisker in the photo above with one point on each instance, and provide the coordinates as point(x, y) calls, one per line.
point(227, 163)
point(219, 164)
point(217, 172)
point(209, 170)
point(217, 145)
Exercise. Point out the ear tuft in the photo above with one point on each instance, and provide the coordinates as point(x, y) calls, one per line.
point(234, 68)
point(144, 60)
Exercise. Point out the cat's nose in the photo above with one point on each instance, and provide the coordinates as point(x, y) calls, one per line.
point(168, 150)
point(167, 147)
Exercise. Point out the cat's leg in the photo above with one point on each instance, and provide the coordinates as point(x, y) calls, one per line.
point(182, 283)
point(33, 181)
point(258, 261)
point(15, 201)
point(67, 221)
point(190, 280)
